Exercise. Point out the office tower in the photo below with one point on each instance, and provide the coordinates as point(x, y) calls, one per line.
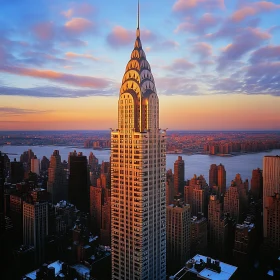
point(221, 173)
point(17, 172)
point(257, 184)
point(272, 225)
point(25, 158)
point(196, 193)
point(217, 178)
point(2, 180)
point(78, 191)
point(45, 164)
point(93, 162)
point(138, 176)
point(57, 182)
point(178, 235)
point(217, 226)
point(95, 212)
point(198, 234)
point(105, 231)
point(179, 176)
point(35, 165)
point(16, 213)
point(213, 176)
point(271, 186)
point(232, 203)
point(244, 243)
point(169, 187)
point(35, 227)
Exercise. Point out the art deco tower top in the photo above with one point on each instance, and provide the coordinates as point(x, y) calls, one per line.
point(138, 85)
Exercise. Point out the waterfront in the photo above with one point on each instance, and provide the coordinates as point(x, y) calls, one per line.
point(194, 164)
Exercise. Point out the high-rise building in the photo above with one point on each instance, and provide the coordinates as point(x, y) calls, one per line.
point(178, 235)
point(217, 178)
point(232, 203)
point(179, 176)
point(244, 243)
point(257, 184)
point(93, 162)
point(35, 227)
point(78, 190)
point(271, 186)
point(272, 226)
point(17, 172)
point(198, 234)
point(95, 212)
point(45, 164)
point(169, 187)
point(35, 165)
point(196, 193)
point(2, 180)
point(218, 227)
point(105, 231)
point(138, 161)
point(57, 182)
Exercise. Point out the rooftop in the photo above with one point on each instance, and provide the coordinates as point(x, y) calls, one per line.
point(205, 268)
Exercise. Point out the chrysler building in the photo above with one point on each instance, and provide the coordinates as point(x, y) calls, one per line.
point(138, 166)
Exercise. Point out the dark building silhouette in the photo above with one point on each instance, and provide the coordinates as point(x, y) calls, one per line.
point(17, 172)
point(45, 164)
point(179, 176)
point(169, 187)
point(25, 158)
point(78, 191)
point(93, 162)
point(257, 184)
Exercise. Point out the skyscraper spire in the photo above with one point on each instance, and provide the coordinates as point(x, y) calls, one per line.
point(138, 16)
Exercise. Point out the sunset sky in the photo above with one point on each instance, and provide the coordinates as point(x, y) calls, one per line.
point(216, 63)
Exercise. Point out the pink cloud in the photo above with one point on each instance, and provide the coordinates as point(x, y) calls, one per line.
point(253, 9)
point(79, 9)
point(69, 79)
point(198, 26)
point(203, 49)
point(185, 5)
point(120, 37)
point(180, 65)
point(249, 39)
point(44, 31)
point(266, 53)
point(77, 55)
point(78, 25)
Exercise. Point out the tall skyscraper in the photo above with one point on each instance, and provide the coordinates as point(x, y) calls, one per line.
point(35, 227)
point(35, 165)
point(217, 178)
point(257, 184)
point(271, 186)
point(57, 183)
point(138, 163)
point(178, 235)
point(179, 175)
point(78, 190)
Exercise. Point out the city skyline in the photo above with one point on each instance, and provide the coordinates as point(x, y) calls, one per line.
point(215, 63)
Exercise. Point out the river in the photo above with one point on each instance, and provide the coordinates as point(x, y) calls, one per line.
point(194, 164)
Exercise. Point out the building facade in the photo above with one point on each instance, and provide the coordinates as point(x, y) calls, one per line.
point(178, 235)
point(271, 185)
point(179, 176)
point(138, 166)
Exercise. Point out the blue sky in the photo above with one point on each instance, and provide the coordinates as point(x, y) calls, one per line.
point(215, 53)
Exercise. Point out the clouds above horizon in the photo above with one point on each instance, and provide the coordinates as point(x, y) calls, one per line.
point(234, 46)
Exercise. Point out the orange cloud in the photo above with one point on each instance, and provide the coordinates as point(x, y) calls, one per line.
point(253, 9)
point(78, 25)
point(182, 5)
point(69, 79)
point(77, 55)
